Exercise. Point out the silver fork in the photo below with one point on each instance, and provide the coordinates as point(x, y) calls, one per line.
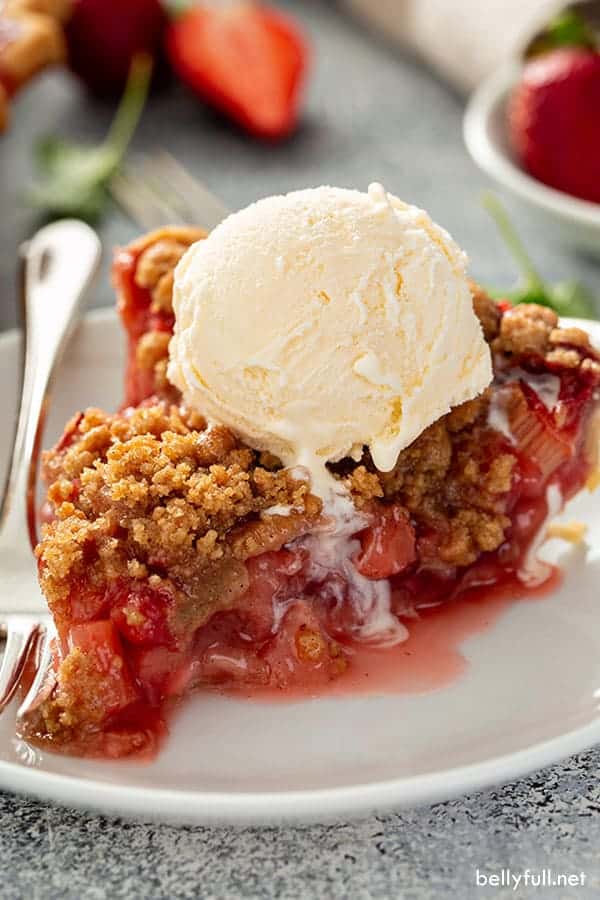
point(56, 268)
point(159, 191)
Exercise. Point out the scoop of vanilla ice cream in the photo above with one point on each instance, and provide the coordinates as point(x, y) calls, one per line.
point(325, 320)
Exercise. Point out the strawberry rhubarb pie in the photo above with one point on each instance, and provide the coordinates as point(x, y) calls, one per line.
point(327, 430)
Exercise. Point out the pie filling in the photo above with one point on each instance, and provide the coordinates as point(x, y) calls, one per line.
point(176, 558)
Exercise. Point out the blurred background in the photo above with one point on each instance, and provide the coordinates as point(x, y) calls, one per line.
point(373, 109)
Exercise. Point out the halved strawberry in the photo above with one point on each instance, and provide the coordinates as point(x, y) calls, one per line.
point(243, 58)
point(387, 546)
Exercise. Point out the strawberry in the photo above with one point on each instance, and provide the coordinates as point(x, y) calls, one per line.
point(387, 546)
point(103, 36)
point(554, 120)
point(244, 59)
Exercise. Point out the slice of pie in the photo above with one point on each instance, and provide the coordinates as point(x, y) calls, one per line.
point(178, 558)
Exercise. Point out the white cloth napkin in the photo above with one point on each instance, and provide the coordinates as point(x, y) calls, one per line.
point(465, 39)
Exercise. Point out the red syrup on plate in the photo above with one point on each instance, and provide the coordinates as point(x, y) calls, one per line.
point(430, 658)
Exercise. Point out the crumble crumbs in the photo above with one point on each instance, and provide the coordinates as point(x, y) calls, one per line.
point(156, 272)
point(155, 492)
point(446, 482)
point(486, 311)
point(528, 330)
point(152, 348)
point(155, 269)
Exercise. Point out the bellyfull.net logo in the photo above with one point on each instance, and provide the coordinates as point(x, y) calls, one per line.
point(542, 878)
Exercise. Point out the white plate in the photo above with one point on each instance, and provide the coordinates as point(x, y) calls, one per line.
point(576, 222)
point(530, 696)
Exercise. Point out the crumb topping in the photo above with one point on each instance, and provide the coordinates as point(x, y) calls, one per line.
point(528, 330)
point(486, 311)
point(448, 485)
point(155, 271)
point(155, 492)
point(152, 349)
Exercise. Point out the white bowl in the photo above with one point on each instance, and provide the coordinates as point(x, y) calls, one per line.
point(575, 222)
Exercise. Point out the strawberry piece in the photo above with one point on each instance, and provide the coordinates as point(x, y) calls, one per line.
point(244, 59)
point(387, 546)
point(105, 669)
point(99, 638)
point(86, 602)
point(300, 653)
point(274, 577)
point(161, 672)
point(140, 613)
point(554, 121)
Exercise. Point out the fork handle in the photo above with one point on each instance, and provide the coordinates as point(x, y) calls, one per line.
point(56, 268)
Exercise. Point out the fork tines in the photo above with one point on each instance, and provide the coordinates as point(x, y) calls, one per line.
point(43, 670)
point(28, 639)
point(159, 191)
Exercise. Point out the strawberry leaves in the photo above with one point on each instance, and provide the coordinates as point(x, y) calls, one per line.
point(567, 298)
point(578, 25)
point(75, 178)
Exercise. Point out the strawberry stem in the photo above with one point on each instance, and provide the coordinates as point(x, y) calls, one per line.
point(130, 107)
point(569, 29)
point(75, 178)
point(533, 279)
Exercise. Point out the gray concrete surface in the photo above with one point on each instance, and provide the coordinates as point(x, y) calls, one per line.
point(372, 114)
